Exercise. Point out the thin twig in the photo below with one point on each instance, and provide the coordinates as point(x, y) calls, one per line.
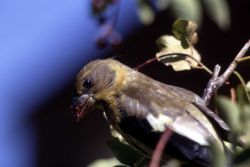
point(243, 59)
point(211, 86)
point(240, 78)
point(233, 95)
point(200, 63)
point(217, 81)
point(149, 61)
point(242, 81)
point(157, 154)
point(233, 65)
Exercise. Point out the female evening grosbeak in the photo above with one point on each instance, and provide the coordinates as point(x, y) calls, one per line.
point(141, 108)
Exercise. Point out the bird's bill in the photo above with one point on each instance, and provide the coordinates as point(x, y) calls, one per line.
point(82, 105)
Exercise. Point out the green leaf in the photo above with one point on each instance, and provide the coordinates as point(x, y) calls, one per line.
point(242, 157)
point(219, 159)
point(173, 163)
point(245, 124)
point(126, 154)
point(145, 12)
point(185, 31)
point(241, 95)
point(248, 87)
point(108, 162)
point(172, 53)
point(219, 12)
point(187, 9)
point(231, 113)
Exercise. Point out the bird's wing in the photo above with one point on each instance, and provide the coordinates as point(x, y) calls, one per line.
point(164, 106)
point(198, 102)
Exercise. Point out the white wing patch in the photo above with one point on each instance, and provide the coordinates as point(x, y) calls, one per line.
point(191, 130)
point(159, 123)
point(184, 125)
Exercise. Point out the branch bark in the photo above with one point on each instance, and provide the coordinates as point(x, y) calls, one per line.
point(217, 81)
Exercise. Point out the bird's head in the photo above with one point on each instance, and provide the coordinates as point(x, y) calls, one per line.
point(99, 80)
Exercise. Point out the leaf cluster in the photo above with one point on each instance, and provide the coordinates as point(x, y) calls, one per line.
point(236, 112)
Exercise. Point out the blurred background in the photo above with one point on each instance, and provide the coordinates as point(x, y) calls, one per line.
point(43, 45)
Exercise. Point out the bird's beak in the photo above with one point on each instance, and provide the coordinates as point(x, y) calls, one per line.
point(82, 105)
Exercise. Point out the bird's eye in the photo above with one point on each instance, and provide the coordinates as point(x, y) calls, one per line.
point(87, 84)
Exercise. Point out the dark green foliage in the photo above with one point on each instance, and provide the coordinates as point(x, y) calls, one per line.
point(126, 154)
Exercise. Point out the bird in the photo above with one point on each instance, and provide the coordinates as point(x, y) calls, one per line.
point(140, 109)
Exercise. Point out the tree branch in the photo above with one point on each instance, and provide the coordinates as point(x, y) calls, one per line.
point(156, 158)
point(217, 81)
point(145, 63)
point(211, 86)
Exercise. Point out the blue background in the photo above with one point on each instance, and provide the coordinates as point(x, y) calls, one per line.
point(42, 46)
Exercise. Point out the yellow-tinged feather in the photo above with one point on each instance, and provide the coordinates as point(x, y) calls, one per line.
point(109, 95)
